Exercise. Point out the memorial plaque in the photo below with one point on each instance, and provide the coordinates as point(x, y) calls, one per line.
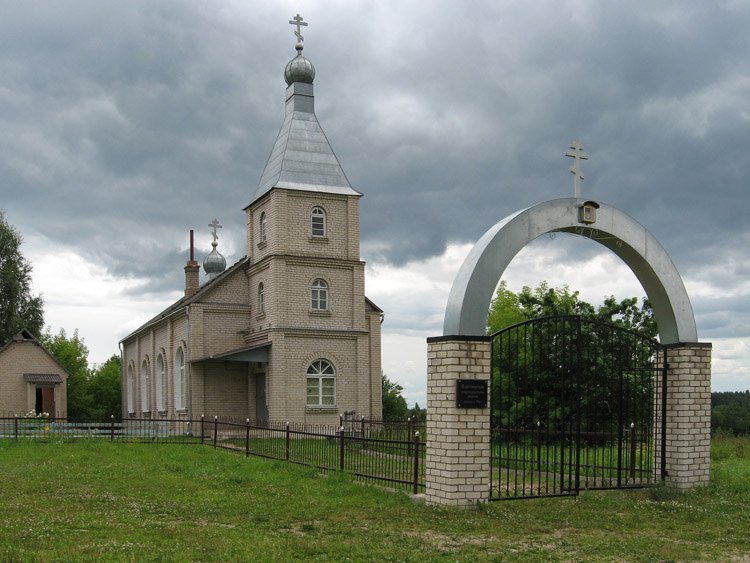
point(471, 393)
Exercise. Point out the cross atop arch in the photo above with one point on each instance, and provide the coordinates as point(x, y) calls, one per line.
point(576, 152)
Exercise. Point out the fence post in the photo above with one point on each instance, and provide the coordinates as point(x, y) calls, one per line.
point(111, 428)
point(416, 462)
point(632, 450)
point(15, 427)
point(363, 426)
point(341, 448)
point(216, 428)
point(202, 433)
point(287, 443)
point(247, 437)
point(410, 426)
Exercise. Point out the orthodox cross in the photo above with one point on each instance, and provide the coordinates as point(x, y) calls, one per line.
point(576, 151)
point(297, 20)
point(215, 225)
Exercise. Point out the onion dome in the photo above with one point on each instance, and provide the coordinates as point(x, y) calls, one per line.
point(214, 263)
point(299, 69)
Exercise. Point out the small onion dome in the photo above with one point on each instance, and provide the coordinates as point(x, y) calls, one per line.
point(214, 263)
point(299, 69)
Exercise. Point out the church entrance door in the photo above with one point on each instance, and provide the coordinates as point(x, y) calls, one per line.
point(261, 407)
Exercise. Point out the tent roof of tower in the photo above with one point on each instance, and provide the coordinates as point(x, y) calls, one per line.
point(302, 158)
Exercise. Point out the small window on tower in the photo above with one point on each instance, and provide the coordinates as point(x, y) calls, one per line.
point(319, 295)
point(263, 227)
point(318, 222)
point(261, 299)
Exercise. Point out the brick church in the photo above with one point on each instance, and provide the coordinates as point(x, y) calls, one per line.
point(286, 333)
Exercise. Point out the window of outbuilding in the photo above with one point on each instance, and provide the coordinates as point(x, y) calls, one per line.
point(318, 222)
point(319, 295)
point(321, 384)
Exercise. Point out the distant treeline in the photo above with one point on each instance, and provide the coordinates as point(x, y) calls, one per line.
point(730, 413)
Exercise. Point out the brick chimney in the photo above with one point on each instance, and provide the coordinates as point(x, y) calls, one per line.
point(192, 271)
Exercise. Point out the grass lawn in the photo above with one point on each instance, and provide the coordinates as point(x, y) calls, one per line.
point(101, 501)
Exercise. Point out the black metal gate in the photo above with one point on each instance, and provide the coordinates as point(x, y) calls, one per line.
point(576, 404)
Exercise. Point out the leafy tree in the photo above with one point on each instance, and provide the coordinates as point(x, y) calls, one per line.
point(104, 389)
point(394, 405)
point(730, 412)
point(540, 368)
point(509, 308)
point(19, 309)
point(418, 413)
point(73, 355)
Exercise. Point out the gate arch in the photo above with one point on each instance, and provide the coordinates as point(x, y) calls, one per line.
point(475, 283)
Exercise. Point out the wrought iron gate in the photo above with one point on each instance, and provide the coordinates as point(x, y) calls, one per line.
point(576, 404)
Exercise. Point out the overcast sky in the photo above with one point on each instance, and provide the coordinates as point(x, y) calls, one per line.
point(125, 124)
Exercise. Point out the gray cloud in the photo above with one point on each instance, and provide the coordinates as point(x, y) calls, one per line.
point(122, 127)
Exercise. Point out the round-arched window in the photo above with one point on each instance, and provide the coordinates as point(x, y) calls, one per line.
point(318, 222)
point(321, 384)
point(319, 295)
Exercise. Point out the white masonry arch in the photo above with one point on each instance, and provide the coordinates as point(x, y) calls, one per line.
point(475, 283)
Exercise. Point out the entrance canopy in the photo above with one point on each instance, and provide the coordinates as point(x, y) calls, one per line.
point(475, 283)
point(250, 354)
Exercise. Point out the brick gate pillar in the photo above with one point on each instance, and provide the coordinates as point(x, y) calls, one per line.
point(688, 414)
point(458, 439)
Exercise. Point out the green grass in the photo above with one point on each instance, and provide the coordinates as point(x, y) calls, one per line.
point(144, 502)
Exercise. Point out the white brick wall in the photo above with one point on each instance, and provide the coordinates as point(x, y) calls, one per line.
point(458, 439)
point(228, 318)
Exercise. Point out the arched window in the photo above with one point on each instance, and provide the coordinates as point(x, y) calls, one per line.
point(321, 384)
point(261, 299)
point(263, 227)
point(160, 380)
point(131, 390)
point(144, 386)
point(319, 295)
point(179, 380)
point(318, 222)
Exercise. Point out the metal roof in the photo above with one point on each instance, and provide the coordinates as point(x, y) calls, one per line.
point(302, 158)
point(42, 378)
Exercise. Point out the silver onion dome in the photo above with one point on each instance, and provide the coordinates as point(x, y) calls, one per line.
point(214, 263)
point(299, 69)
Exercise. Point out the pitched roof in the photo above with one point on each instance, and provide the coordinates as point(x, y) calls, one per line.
point(184, 301)
point(302, 158)
point(25, 336)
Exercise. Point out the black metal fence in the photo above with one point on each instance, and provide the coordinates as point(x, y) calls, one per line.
point(576, 404)
point(375, 451)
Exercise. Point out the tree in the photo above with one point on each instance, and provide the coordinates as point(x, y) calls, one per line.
point(105, 390)
point(73, 355)
point(730, 412)
point(394, 405)
point(508, 308)
point(418, 413)
point(19, 309)
point(573, 352)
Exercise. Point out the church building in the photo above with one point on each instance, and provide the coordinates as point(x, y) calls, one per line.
point(286, 333)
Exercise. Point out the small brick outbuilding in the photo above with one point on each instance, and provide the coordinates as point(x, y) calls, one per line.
point(31, 378)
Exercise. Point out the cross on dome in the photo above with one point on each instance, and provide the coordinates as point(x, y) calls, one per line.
point(297, 21)
point(576, 152)
point(215, 225)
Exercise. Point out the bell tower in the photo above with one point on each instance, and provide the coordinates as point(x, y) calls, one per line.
point(306, 279)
